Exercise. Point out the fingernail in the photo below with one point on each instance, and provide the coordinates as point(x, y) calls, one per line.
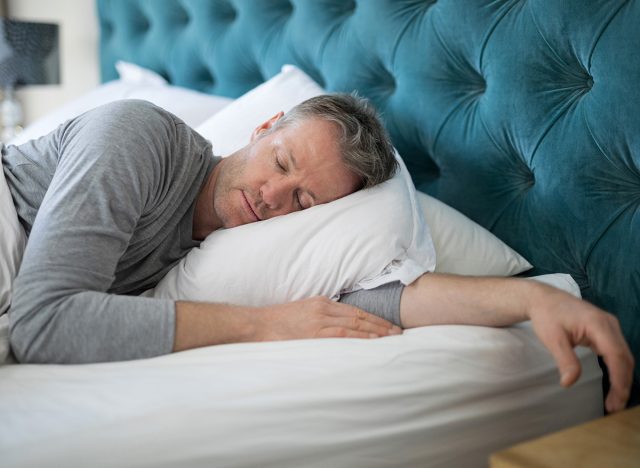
point(396, 330)
point(373, 335)
point(614, 405)
point(565, 379)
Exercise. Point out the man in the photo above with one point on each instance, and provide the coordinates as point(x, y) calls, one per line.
point(123, 192)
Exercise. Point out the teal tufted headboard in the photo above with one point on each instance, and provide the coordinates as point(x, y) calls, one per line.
point(524, 115)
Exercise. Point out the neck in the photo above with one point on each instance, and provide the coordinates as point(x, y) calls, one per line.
point(205, 219)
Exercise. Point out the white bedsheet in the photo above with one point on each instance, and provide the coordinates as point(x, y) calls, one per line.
point(435, 396)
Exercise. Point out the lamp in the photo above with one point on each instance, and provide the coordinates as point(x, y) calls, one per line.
point(28, 56)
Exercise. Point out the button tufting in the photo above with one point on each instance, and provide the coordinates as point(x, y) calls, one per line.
point(181, 16)
point(388, 81)
point(531, 179)
point(479, 84)
point(107, 28)
point(143, 24)
point(348, 7)
point(521, 178)
point(286, 8)
point(206, 78)
point(382, 83)
point(226, 11)
point(589, 82)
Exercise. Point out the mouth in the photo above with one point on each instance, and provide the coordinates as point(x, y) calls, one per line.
point(248, 208)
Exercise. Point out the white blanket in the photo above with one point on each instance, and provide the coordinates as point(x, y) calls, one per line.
point(435, 396)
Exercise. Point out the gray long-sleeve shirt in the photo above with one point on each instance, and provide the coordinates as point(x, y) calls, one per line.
point(107, 201)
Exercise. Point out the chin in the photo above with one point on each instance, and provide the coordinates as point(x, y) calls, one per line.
point(230, 216)
point(228, 224)
point(234, 220)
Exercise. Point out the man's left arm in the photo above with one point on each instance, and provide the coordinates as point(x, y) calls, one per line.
point(560, 320)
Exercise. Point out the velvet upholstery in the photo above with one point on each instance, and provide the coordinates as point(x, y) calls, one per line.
point(524, 115)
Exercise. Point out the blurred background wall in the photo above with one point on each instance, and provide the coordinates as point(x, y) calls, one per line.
point(79, 69)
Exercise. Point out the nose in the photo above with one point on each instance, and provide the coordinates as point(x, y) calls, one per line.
point(277, 194)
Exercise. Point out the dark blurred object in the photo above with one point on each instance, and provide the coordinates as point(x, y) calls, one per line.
point(28, 56)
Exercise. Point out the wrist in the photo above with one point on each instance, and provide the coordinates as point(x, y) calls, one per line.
point(535, 295)
point(244, 323)
point(203, 324)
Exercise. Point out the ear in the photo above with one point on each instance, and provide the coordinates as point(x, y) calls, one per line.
point(266, 125)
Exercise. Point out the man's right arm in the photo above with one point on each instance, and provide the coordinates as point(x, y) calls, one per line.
point(61, 310)
point(560, 320)
point(203, 324)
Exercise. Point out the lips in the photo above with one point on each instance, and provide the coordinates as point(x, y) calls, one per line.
point(249, 209)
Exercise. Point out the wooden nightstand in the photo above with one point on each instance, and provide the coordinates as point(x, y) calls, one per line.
point(611, 442)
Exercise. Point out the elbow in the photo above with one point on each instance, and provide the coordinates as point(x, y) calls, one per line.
point(31, 337)
point(24, 343)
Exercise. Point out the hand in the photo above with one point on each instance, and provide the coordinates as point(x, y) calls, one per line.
point(319, 317)
point(561, 322)
point(205, 324)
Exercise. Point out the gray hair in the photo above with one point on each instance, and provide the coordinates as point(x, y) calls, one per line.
point(366, 146)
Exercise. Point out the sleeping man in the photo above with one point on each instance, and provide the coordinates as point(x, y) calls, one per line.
point(123, 192)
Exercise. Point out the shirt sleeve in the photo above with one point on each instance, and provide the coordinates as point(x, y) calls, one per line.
point(103, 182)
point(383, 301)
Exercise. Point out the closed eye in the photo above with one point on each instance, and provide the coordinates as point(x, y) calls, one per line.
point(279, 164)
point(283, 169)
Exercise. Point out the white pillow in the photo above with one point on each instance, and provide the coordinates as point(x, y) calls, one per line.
point(230, 130)
point(132, 73)
point(366, 239)
point(562, 281)
point(464, 247)
point(12, 243)
point(191, 106)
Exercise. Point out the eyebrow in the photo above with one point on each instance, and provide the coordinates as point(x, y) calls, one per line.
point(295, 166)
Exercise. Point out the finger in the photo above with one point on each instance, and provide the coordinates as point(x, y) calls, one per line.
point(357, 323)
point(620, 380)
point(339, 332)
point(346, 310)
point(565, 357)
point(608, 342)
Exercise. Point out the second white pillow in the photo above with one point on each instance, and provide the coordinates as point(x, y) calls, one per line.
point(466, 248)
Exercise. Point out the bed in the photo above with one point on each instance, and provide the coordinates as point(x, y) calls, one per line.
point(520, 115)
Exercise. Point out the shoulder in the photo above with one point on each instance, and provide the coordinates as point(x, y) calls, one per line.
point(129, 128)
point(129, 115)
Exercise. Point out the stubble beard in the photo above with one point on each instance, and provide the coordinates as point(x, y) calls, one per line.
point(226, 185)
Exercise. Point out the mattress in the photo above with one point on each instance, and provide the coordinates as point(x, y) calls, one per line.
point(435, 396)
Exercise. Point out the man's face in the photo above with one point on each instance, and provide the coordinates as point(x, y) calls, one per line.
point(280, 172)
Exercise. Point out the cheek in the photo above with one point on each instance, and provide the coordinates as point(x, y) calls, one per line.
point(227, 209)
point(235, 173)
point(258, 168)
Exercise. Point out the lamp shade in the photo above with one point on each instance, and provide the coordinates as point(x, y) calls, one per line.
point(28, 53)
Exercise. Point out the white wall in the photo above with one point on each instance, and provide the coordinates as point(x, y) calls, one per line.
point(79, 67)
